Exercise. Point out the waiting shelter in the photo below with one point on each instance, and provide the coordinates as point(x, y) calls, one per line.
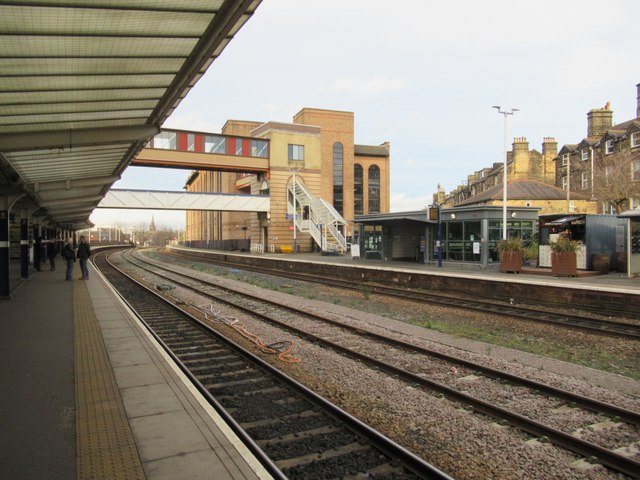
point(633, 240)
point(465, 234)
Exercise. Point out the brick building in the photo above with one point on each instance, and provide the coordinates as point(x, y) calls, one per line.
point(318, 148)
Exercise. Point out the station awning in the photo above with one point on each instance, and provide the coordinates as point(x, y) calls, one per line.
point(84, 85)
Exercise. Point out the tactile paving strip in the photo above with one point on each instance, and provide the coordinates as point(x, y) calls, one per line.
point(105, 445)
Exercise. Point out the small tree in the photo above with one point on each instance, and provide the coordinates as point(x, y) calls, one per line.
point(614, 181)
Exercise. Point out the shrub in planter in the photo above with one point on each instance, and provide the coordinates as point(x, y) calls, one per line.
point(511, 255)
point(563, 257)
point(531, 254)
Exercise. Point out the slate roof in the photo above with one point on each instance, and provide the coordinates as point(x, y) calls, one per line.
point(523, 190)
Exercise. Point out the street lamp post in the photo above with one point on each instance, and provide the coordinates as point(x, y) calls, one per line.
point(504, 173)
point(295, 213)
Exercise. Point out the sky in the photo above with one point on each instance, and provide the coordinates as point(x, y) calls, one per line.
point(420, 74)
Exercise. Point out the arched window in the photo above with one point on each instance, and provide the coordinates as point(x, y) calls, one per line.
point(337, 177)
point(374, 189)
point(357, 189)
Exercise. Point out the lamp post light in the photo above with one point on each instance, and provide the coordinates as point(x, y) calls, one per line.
point(504, 174)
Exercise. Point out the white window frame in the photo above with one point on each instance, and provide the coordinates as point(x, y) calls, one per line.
point(608, 147)
point(635, 139)
point(565, 159)
point(584, 154)
point(572, 206)
point(635, 170)
point(564, 182)
point(584, 180)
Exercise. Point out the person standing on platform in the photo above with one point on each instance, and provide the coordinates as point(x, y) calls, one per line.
point(70, 257)
point(53, 251)
point(84, 252)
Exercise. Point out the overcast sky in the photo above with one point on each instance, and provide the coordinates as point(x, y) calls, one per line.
point(420, 74)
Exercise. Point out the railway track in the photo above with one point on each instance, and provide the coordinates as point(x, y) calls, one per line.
point(590, 450)
point(294, 432)
point(535, 313)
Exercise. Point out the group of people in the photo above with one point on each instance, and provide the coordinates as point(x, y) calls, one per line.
point(69, 255)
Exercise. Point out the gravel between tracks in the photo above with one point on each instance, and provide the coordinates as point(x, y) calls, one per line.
point(464, 444)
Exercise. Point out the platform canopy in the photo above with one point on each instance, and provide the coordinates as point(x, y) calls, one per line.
point(85, 84)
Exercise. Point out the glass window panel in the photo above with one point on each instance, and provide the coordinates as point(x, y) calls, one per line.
point(259, 148)
point(214, 144)
point(165, 141)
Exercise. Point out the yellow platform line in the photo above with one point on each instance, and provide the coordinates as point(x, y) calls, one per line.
point(104, 442)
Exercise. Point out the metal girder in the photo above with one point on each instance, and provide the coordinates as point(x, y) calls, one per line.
point(166, 200)
point(72, 183)
point(15, 142)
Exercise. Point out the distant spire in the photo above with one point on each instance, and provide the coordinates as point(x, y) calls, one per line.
point(152, 225)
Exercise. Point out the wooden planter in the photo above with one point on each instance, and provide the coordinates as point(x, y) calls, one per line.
point(564, 264)
point(511, 262)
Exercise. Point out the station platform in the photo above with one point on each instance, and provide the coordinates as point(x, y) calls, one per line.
point(88, 394)
point(586, 280)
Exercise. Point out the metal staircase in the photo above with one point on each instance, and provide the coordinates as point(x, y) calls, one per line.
point(317, 217)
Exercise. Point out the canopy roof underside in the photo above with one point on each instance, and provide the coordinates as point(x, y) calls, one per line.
point(84, 84)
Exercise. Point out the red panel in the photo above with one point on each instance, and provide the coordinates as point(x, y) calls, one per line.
point(246, 147)
point(182, 142)
point(231, 146)
point(199, 143)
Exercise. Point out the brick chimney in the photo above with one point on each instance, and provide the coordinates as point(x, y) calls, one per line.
point(599, 120)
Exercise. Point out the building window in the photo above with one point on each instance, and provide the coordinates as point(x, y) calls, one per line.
point(374, 189)
point(358, 189)
point(191, 142)
point(584, 154)
point(635, 139)
point(238, 146)
point(572, 207)
point(564, 183)
point(296, 152)
point(635, 170)
point(165, 141)
point(260, 148)
point(608, 147)
point(338, 163)
point(214, 144)
point(584, 181)
point(565, 159)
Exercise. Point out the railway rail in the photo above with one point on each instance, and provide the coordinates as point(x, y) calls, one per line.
point(536, 313)
point(587, 449)
point(294, 432)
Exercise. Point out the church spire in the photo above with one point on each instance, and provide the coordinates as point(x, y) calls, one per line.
point(152, 225)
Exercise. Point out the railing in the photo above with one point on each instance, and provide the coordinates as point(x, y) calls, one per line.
point(322, 219)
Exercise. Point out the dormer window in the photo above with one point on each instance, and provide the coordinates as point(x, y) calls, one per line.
point(608, 147)
point(565, 159)
point(584, 154)
point(635, 139)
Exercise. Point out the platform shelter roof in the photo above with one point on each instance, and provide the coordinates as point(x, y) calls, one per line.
point(84, 86)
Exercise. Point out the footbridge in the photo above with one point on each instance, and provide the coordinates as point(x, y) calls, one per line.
point(171, 200)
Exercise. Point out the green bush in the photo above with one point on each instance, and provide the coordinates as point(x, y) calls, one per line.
point(565, 244)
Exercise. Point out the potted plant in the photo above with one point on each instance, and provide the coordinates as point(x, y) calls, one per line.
point(531, 254)
point(563, 257)
point(511, 255)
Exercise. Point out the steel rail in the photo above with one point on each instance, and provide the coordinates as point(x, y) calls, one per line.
point(606, 457)
point(414, 463)
point(537, 314)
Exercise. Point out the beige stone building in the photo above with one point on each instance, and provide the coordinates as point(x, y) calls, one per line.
point(318, 149)
point(522, 164)
point(609, 154)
